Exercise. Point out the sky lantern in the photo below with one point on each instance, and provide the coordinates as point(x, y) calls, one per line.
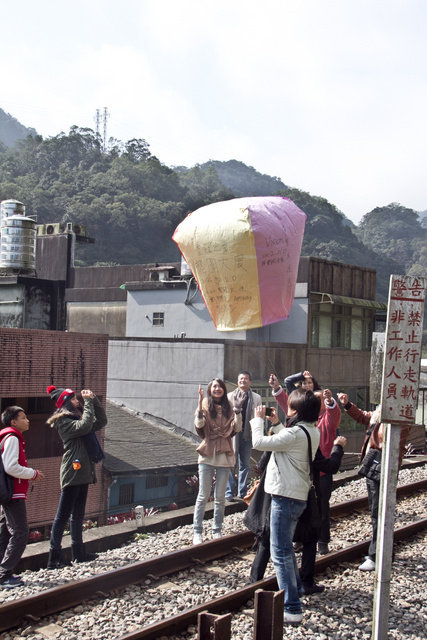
point(244, 254)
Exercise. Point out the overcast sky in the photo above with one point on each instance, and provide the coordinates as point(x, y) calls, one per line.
point(328, 95)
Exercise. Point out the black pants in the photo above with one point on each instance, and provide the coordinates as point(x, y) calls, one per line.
point(261, 559)
point(307, 563)
point(373, 500)
point(13, 536)
point(72, 503)
point(325, 489)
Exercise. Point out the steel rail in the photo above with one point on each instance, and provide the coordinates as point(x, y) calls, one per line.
point(60, 598)
point(234, 600)
point(68, 595)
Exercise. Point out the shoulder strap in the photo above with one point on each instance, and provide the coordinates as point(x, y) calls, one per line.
point(309, 450)
point(2, 442)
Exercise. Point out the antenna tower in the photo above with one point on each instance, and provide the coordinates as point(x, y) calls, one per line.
point(97, 119)
point(106, 115)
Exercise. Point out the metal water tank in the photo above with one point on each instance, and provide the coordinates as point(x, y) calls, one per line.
point(11, 208)
point(18, 242)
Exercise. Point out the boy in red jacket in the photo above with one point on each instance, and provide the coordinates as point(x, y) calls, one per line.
point(13, 518)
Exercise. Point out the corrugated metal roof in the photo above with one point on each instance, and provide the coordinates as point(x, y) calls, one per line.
point(134, 444)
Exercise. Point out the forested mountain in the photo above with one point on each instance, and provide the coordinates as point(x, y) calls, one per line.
point(11, 130)
point(131, 203)
point(244, 180)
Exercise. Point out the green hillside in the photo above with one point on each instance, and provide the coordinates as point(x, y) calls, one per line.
point(131, 203)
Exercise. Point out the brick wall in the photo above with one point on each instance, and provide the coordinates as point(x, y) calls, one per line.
point(30, 361)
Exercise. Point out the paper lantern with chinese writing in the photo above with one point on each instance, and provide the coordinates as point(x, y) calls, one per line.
point(244, 254)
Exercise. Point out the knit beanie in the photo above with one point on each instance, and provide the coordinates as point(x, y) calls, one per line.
point(60, 395)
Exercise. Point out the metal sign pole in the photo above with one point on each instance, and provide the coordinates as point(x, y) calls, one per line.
point(399, 398)
point(384, 549)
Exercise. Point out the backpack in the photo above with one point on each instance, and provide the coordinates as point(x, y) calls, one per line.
point(7, 482)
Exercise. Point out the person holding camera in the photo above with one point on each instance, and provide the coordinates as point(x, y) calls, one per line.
point(76, 426)
point(287, 479)
point(373, 440)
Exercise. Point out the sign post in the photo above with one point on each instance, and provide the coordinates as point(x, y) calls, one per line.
point(399, 398)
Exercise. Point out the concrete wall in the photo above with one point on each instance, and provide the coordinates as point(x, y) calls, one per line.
point(194, 319)
point(97, 317)
point(25, 306)
point(162, 378)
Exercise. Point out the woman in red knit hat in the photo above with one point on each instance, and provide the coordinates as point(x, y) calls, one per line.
point(76, 427)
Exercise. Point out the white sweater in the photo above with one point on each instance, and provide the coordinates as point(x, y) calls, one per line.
point(288, 470)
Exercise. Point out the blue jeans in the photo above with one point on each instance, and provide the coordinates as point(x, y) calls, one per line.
point(206, 473)
point(71, 503)
point(243, 457)
point(285, 513)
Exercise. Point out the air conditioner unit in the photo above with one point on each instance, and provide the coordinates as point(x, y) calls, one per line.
point(55, 228)
point(79, 229)
point(41, 229)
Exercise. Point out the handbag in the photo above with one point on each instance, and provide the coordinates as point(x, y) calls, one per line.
point(308, 525)
point(7, 482)
point(371, 465)
point(251, 492)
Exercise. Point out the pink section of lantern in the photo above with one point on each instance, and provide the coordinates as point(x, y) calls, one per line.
point(278, 229)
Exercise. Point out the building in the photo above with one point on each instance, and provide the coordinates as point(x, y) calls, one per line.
point(147, 461)
point(32, 360)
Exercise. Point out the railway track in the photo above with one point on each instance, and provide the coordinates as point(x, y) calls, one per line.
point(51, 601)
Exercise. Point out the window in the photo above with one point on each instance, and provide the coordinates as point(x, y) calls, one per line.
point(335, 326)
point(126, 493)
point(155, 481)
point(158, 319)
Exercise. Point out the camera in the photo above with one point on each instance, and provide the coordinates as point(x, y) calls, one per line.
point(268, 411)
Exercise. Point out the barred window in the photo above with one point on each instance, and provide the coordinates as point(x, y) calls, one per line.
point(126, 493)
point(156, 480)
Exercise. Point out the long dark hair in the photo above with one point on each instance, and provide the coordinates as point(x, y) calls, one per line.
point(67, 406)
point(224, 402)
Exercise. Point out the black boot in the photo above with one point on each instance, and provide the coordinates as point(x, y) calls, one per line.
point(55, 559)
point(79, 553)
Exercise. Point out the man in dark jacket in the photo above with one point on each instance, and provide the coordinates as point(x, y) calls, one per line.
point(373, 440)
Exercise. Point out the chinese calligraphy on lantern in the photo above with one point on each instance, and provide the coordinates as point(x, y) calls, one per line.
point(403, 349)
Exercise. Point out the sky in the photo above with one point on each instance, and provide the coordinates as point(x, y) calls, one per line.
point(330, 96)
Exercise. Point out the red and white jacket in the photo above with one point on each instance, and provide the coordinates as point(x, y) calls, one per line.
point(15, 461)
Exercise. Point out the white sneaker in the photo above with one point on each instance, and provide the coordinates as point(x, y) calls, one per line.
point(368, 565)
point(197, 538)
point(217, 535)
point(296, 618)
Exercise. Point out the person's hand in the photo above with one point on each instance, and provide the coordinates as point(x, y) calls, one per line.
point(238, 400)
point(343, 398)
point(200, 397)
point(273, 417)
point(273, 382)
point(87, 393)
point(307, 374)
point(260, 411)
point(39, 476)
point(340, 440)
point(327, 395)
